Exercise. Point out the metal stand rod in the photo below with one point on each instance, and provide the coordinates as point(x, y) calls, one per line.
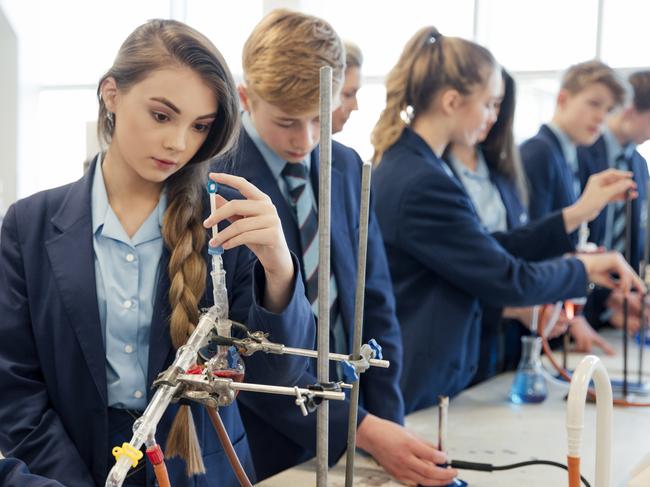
point(645, 271)
point(286, 391)
point(566, 339)
point(628, 252)
point(337, 357)
point(324, 195)
point(641, 339)
point(443, 410)
point(358, 319)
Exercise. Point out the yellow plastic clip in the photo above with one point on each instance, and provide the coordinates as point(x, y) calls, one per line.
point(127, 450)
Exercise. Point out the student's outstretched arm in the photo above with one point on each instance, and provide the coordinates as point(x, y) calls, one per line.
point(30, 429)
point(438, 227)
point(14, 473)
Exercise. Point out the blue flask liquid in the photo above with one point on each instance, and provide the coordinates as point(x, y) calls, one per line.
point(529, 385)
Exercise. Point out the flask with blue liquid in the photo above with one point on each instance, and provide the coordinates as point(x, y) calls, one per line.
point(529, 385)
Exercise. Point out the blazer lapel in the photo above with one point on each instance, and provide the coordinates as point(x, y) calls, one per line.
point(71, 256)
point(160, 344)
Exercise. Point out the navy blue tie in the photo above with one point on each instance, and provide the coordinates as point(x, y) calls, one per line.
point(297, 179)
point(619, 223)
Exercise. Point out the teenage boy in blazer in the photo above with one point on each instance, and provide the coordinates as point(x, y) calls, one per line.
point(281, 133)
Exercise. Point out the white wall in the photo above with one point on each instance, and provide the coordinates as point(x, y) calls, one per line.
point(8, 112)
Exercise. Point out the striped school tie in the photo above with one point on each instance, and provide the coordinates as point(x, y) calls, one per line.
point(618, 222)
point(297, 178)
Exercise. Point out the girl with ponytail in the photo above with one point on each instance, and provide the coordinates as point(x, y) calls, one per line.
point(444, 263)
point(102, 280)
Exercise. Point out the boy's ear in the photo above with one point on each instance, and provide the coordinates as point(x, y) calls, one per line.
point(562, 98)
point(108, 92)
point(244, 98)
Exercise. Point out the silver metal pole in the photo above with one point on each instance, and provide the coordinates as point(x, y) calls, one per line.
point(645, 275)
point(337, 357)
point(358, 319)
point(628, 255)
point(443, 410)
point(286, 391)
point(324, 195)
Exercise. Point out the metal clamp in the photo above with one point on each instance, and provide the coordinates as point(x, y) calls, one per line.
point(321, 387)
point(353, 367)
point(167, 377)
point(305, 402)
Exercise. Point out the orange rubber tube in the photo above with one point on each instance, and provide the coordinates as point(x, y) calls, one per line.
point(567, 377)
point(161, 474)
point(157, 460)
point(573, 464)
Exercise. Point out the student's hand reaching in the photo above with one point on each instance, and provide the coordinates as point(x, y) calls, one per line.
point(585, 338)
point(601, 269)
point(256, 224)
point(602, 188)
point(615, 305)
point(404, 456)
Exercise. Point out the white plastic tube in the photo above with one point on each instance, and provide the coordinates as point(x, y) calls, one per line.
point(591, 367)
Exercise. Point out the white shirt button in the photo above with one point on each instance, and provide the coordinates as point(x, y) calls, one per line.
point(128, 348)
point(137, 394)
point(130, 257)
point(127, 303)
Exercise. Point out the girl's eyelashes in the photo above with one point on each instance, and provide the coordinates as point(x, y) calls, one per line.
point(159, 117)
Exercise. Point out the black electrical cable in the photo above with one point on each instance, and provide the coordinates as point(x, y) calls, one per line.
point(488, 467)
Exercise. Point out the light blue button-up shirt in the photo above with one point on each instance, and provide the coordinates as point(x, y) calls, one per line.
point(570, 152)
point(126, 272)
point(483, 193)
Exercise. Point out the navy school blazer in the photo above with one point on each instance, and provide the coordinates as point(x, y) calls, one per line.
point(594, 159)
point(498, 336)
point(53, 415)
point(293, 436)
point(444, 264)
point(550, 179)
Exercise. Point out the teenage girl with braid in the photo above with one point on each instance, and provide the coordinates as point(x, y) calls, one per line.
point(102, 280)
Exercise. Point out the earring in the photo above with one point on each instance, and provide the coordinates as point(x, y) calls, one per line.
point(111, 118)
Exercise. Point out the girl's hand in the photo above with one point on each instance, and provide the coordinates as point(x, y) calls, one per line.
point(255, 223)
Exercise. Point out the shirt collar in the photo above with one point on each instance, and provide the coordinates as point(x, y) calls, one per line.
point(614, 148)
point(105, 221)
point(569, 149)
point(273, 160)
point(481, 173)
point(99, 198)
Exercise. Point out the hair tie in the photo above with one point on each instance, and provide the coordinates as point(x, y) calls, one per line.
point(435, 37)
point(407, 115)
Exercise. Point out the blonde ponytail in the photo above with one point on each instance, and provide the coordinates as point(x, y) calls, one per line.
point(429, 62)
